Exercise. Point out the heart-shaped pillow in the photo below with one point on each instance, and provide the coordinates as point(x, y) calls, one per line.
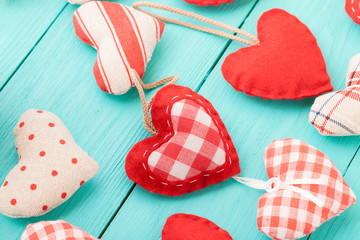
point(288, 63)
point(352, 7)
point(191, 150)
point(190, 227)
point(54, 230)
point(208, 2)
point(51, 167)
point(338, 113)
point(124, 38)
point(286, 213)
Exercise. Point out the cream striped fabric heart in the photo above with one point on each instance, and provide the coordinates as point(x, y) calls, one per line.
point(338, 113)
point(124, 38)
point(51, 167)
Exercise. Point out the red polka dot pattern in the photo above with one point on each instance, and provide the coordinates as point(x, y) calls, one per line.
point(63, 195)
point(43, 141)
point(13, 202)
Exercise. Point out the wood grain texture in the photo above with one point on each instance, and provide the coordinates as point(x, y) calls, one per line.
point(253, 123)
point(22, 25)
point(57, 76)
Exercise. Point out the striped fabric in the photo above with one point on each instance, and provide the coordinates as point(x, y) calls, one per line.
point(124, 38)
point(338, 113)
point(285, 214)
point(54, 230)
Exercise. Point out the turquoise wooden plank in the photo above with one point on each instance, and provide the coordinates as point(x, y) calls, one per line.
point(253, 123)
point(22, 25)
point(57, 76)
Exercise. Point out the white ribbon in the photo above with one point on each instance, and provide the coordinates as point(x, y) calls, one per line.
point(274, 184)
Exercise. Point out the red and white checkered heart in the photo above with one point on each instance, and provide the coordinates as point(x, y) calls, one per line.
point(338, 113)
point(287, 214)
point(54, 230)
point(191, 150)
point(124, 37)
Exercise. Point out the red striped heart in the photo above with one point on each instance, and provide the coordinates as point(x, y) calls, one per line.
point(124, 38)
point(191, 150)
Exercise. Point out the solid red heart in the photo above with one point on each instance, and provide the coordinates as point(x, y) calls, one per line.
point(191, 150)
point(288, 64)
point(208, 2)
point(190, 227)
point(352, 7)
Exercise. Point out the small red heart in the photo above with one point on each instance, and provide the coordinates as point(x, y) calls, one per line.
point(208, 2)
point(288, 63)
point(352, 7)
point(190, 227)
point(191, 150)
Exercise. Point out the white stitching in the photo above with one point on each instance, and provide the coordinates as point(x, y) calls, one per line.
point(155, 144)
point(216, 122)
point(144, 166)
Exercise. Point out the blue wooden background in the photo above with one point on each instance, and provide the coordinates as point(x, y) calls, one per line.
point(43, 65)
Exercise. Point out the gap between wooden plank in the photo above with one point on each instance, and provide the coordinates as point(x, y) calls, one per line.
point(32, 49)
point(225, 48)
point(196, 90)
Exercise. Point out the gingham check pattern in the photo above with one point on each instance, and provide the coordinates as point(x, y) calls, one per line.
point(196, 146)
point(338, 113)
point(285, 214)
point(54, 230)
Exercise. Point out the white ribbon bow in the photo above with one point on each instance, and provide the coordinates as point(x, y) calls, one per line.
point(274, 184)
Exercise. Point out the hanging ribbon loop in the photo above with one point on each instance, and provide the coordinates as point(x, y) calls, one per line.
point(274, 184)
point(253, 40)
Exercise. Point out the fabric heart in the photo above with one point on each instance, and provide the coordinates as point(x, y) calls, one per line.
point(78, 1)
point(54, 230)
point(305, 190)
point(352, 8)
point(338, 113)
point(208, 2)
point(190, 227)
point(191, 150)
point(288, 63)
point(51, 167)
point(124, 38)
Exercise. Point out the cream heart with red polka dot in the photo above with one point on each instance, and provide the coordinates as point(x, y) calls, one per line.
point(51, 167)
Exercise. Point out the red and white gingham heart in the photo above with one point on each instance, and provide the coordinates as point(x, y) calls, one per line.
point(191, 150)
point(196, 146)
point(54, 230)
point(338, 113)
point(305, 190)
